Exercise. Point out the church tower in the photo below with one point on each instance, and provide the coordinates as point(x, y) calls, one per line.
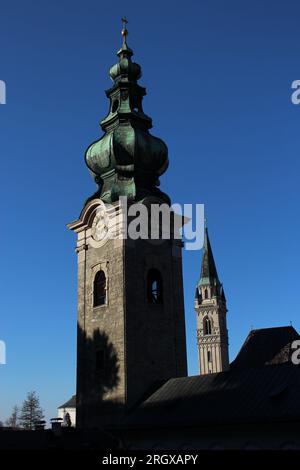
point(131, 326)
point(210, 307)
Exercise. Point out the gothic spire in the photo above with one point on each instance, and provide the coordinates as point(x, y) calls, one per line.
point(209, 273)
point(210, 307)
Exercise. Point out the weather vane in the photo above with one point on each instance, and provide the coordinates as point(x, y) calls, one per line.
point(124, 29)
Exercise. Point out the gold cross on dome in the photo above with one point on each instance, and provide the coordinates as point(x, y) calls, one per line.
point(124, 29)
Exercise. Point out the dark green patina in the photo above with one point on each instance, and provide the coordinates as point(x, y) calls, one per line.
point(127, 160)
point(209, 275)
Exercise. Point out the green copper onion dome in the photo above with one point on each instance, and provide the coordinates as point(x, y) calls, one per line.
point(125, 69)
point(127, 160)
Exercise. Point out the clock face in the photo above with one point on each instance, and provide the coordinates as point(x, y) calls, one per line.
point(100, 225)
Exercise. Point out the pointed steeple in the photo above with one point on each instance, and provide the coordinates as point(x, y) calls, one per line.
point(211, 310)
point(209, 273)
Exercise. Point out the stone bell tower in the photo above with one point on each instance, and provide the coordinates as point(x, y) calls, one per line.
point(210, 307)
point(131, 327)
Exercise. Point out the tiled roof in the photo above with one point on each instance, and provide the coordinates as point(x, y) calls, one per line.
point(266, 346)
point(255, 395)
point(262, 385)
point(70, 403)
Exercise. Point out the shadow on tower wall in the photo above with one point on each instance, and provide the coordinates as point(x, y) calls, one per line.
point(99, 400)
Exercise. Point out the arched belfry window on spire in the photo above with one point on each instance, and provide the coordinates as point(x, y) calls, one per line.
point(154, 287)
point(100, 289)
point(206, 293)
point(207, 326)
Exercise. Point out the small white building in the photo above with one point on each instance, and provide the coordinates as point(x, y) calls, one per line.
point(68, 408)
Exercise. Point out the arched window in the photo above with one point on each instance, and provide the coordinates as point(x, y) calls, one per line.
point(206, 293)
point(207, 326)
point(154, 287)
point(99, 289)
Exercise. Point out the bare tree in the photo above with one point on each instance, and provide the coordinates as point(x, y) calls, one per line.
point(13, 420)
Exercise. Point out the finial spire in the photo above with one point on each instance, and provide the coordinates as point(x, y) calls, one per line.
point(124, 29)
point(125, 51)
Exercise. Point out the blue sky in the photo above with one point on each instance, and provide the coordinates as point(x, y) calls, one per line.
point(218, 76)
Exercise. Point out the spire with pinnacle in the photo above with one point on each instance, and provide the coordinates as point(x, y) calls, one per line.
point(209, 273)
point(210, 307)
